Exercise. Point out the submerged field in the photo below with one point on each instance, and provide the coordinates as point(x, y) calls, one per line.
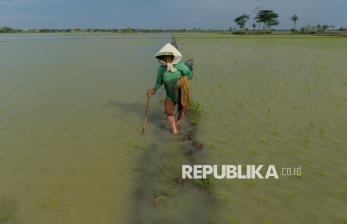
point(276, 101)
point(72, 107)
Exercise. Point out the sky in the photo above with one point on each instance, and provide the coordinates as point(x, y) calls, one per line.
point(164, 14)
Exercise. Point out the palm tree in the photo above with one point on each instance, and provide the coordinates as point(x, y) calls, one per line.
point(294, 19)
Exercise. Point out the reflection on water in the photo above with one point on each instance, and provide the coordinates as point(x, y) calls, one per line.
point(72, 108)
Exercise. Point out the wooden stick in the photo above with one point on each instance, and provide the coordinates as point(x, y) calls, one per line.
point(145, 124)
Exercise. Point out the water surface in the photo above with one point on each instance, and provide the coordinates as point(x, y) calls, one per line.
point(72, 107)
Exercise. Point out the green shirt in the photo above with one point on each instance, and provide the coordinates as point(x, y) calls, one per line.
point(169, 79)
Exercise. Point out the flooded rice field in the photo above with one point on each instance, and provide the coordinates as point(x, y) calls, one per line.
point(72, 108)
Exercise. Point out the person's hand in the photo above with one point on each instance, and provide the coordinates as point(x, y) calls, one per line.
point(150, 92)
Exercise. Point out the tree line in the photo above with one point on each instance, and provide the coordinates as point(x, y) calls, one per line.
point(266, 19)
point(98, 30)
point(263, 22)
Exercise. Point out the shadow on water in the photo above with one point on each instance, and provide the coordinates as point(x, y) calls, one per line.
point(160, 195)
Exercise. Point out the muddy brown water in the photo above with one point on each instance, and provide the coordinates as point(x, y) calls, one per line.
point(72, 108)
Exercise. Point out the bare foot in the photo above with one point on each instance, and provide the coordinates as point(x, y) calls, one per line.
point(174, 132)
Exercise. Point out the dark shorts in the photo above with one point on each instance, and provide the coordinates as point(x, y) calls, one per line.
point(171, 106)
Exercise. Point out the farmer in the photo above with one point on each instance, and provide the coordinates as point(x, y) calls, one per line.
point(174, 74)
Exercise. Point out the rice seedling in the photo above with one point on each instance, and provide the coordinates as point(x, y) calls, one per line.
point(263, 140)
point(306, 141)
point(3, 217)
point(294, 108)
point(322, 132)
point(205, 183)
point(289, 193)
point(249, 182)
point(320, 172)
point(51, 203)
point(274, 131)
point(299, 177)
point(132, 144)
point(233, 221)
point(341, 219)
point(261, 199)
point(222, 196)
point(292, 150)
point(286, 142)
point(307, 161)
point(252, 149)
point(342, 190)
point(81, 205)
point(194, 112)
point(210, 145)
point(18, 168)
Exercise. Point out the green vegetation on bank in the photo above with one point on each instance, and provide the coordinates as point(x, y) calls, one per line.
point(9, 30)
point(309, 29)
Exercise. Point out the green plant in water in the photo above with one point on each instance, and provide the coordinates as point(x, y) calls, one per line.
point(205, 183)
point(290, 193)
point(338, 106)
point(268, 222)
point(194, 112)
point(321, 132)
point(249, 182)
point(306, 141)
point(320, 172)
point(233, 221)
point(3, 217)
point(299, 177)
point(18, 168)
point(261, 199)
point(51, 203)
point(133, 145)
point(263, 140)
point(342, 218)
point(81, 205)
point(222, 197)
point(274, 132)
point(292, 150)
point(210, 145)
point(342, 190)
point(252, 149)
